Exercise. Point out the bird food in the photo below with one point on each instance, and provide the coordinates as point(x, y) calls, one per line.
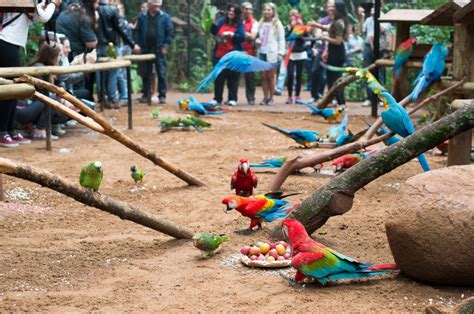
point(266, 255)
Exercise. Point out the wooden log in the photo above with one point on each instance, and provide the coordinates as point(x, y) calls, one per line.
point(58, 70)
point(94, 199)
point(16, 91)
point(459, 149)
point(466, 88)
point(109, 130)
point(336, 196)
point(131, 58)
point(408, 64)
point(310, 161)
point(340, 83)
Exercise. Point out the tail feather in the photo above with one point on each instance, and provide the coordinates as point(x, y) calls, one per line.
point(204, 84)
point(377, 267)
point(288, 54)
point(420, 85)
point(314, 109)
point(423, 162)
point(354, 275)
point(273, 127)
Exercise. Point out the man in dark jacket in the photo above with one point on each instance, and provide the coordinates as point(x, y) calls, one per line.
point(154, 33)
point(110, 28)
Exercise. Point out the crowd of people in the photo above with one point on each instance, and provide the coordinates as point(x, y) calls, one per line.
point(333, 40)
point(85, 30)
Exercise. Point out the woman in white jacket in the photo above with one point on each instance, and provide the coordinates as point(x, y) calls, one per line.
point(271, 41)
point(13, 35)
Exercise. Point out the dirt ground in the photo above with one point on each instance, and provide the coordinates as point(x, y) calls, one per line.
point(57, 255)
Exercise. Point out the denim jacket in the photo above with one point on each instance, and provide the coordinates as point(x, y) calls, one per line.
point(164, 29)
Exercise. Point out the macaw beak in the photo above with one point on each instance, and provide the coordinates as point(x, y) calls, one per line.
point(227, 208)
point(245, 167)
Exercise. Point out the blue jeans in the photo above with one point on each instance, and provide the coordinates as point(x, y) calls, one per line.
point(160, 64)
point(110, 76)
point(125, 50)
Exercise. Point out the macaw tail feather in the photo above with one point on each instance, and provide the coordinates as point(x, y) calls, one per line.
point(377, 267)
point(423, 162)
point(262, 165)
point(420, 85)
point(354, 275)
point(288, 54)
point(279, 212)
point(314, 109)
point(278, 195)
point(273, 127)
point(204, 84)
point(213, 112)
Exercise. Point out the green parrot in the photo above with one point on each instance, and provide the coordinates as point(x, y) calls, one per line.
point(208, 243)
point(155, 113)
point(91, 175)
point(111, 50)
point(195, 122)
point(137, 174)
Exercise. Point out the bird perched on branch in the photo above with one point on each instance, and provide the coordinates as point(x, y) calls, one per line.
point(91, 175)
point(137, 174)
point(315, 261)
point(402, 53)
point(391, 140)
point(344, 139)
point(258, 208)
point(238, 61)
point(111, 50)
point(433, 67)
point(243, 180)
point(271, 163)
point(329, 114)
point(302, 137)
point(396, 118)
point(208, 243)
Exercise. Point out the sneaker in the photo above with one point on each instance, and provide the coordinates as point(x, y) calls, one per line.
point(289, 101)
point(367, 103)
point(17, 137)
point(232, 103)
point(263, 102)
point(215, 102)
point(6, 141)
point(144, 100)
point(251, 102)
point(311, 100)
point(277, 92)
point(270, 102)
point(41, 135)
point(71, 123)
point(57, 130)
point(162, 100)
point(299, 101)
point(154, 99)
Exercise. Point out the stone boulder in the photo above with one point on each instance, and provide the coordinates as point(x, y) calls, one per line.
point(431, 228)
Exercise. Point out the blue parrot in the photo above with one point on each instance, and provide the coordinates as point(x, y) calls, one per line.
point(335, 131)
point(270, 163)
point(302, 137)
point(390, 140)
point(344, 139)
point(396, 118)
point(433, 67)
point(329, 114)
point(238, 61)
point(195, 106)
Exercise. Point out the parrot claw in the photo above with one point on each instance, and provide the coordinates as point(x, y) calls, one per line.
point(246, 231)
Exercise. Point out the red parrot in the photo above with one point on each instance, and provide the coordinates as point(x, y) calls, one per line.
point(258, 208)
point(345, 162)
point(314, 260)
point(243, 180)
point(443, 147)
point(402, 53)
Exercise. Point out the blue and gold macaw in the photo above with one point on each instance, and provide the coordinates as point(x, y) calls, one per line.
point(335, 131)
point(391, 140)
point(329, 114)
point(276, 162)
point(433, 67)
point(396, 118)
point(302, 137)
point(196, 107)
point(238, 61)
point(344, 139)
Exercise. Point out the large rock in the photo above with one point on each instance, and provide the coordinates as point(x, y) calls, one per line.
point(431, 228)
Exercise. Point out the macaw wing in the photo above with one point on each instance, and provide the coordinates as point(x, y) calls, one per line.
point(394, 122)
point(257, 206)
point(243, 62)
point(408, 125)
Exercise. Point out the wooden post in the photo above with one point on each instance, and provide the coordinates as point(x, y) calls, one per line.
point(459, 149)
point(49, 146)
point(401, 89)
point(129, 98)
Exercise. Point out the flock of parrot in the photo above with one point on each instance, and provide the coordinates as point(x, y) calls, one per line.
point(314, 262)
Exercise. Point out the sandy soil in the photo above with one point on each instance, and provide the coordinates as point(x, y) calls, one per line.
point(58, 255)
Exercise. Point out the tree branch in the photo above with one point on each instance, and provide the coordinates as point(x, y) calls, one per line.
point(88, 197)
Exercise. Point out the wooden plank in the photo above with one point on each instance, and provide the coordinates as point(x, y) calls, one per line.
point(57, 70)
point(465, 15)
point(25, 6)
point(442, 15)
point(405, 15)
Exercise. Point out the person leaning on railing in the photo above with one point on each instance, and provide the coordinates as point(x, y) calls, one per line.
point(13, 35)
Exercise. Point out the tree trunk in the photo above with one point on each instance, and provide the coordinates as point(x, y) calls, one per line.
point(336, 196)
point(102, 126)
point(88, 197)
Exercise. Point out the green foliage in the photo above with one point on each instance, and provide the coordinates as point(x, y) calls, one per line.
point(137, 82)
point(36, 31)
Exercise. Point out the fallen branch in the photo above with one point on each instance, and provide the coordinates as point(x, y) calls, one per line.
point(340, 83)
point(106, 128)
point(336, 196)
point(310, 161)
point(88, 197)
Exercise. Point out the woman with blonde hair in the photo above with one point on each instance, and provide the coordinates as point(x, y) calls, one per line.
point(271, 41)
